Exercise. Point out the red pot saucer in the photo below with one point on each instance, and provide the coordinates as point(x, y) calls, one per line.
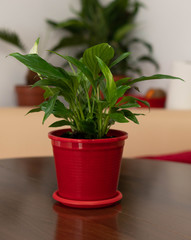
point(87, 204)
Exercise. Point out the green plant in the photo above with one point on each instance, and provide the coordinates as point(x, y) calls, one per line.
point(113, 24)
point(90, 90)
point(12, 38)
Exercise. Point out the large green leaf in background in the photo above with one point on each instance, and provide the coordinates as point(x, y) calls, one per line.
point(104, 51)
point(12, 38)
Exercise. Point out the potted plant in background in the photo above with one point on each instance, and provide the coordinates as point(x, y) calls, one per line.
point(26, 96)
point(88, 154)
point(112, 23)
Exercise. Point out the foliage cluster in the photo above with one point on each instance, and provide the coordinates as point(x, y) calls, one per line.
point(95, 100)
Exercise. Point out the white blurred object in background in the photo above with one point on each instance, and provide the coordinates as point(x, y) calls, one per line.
point(179, 92)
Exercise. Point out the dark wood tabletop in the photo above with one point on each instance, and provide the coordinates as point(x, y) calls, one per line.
point(156, 204)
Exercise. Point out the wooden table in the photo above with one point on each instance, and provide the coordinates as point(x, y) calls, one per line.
point(156, 204)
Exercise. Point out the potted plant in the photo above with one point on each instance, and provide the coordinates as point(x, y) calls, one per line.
point(26, 96)
point(113, 23)
point(88, 154)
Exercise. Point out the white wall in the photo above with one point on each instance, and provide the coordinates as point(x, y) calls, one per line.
point(164, 23)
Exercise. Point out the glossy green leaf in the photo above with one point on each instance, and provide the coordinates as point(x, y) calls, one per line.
point(120, 91)
point(36, 64)
point(118, 117)
point(126, 100)
point(53, 83)
point(34, 110)
point(110, 83)
point(60, 123)
point(157, 76)
point(128, 114)
point(49, 91)
point(64, 90)
point(89, 127)
point(129, 101)
point(103, 51)
point(144, 102)
point(130, 105)
point(61, 111)
point(119, 59)
point(122, 81)
point(49, 107)
point(83, 68)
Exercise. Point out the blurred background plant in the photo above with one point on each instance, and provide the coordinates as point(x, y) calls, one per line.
point(12, 38)
point(112, 23)
point(26, 96)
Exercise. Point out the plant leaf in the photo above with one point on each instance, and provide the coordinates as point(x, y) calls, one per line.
point(103, 51)
point(71, 24)
point(70, 41)
point(52, 82)
point(36, 64)
point(119, 59)
point(49, 91)
point(131, 116)
point(146, 44)
point(110, 83)
point(130, 100)
point(130, 105)
point(156, 76)
point(61, 111)
point(122, 31)
point(12, 38)
point(88, 127)
point(49, 107)
point(147, 58)
point(83, 68)
point(122, 81)
point(120, 91)
point(34, 49)
point(34, 110)
point(118, 117)
point(60, 123)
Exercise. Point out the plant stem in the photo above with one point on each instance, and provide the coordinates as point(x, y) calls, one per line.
point(88, 100)
point(99, 122)
point(105, 125)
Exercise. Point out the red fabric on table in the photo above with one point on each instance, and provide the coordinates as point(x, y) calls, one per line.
point(183, 157)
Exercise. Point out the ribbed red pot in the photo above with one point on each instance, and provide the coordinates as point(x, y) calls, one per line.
point(87, 169)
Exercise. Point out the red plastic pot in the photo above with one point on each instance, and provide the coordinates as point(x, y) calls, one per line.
point(87, 169)
point(154, 102)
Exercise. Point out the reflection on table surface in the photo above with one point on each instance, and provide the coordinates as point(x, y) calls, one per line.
point(156, 203)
